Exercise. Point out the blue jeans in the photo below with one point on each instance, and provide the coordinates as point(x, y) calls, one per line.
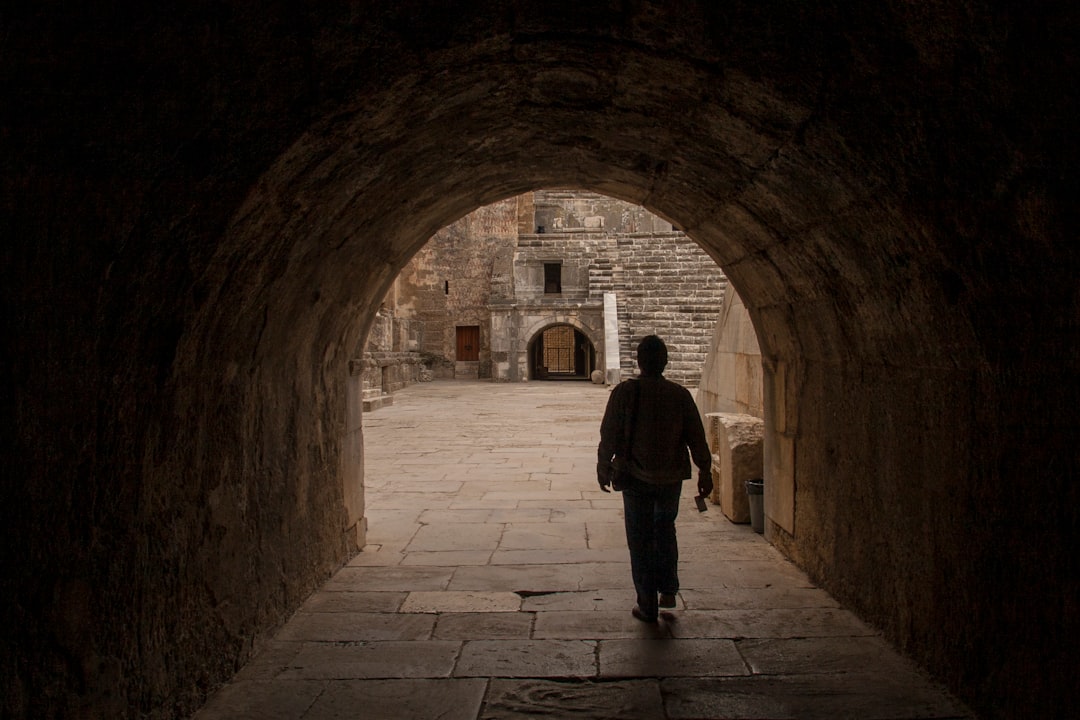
point(650, 511)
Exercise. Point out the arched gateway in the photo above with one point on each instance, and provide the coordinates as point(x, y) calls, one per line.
point(201, 202)
point(561, 352)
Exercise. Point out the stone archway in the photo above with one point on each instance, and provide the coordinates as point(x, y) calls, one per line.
point(589, 324)
point(872, 182)
point(561, 351)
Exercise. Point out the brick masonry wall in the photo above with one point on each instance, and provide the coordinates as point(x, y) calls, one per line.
point(665, 285)
point(449, 282)
point(671, 288)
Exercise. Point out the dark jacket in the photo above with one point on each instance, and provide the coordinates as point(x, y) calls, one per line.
point(666, 424)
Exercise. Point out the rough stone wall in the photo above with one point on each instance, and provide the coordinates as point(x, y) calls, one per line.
point(448, 284)
point(469, 254)
point(731, 380)
point(557, 210)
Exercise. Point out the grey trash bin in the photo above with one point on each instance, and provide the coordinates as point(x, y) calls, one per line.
point(755, 495)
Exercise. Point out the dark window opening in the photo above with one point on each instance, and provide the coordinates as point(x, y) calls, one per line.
point(552, 278)
point(446, 287)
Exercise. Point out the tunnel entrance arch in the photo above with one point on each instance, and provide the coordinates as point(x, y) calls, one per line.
point(761, 151)
point(561, 352)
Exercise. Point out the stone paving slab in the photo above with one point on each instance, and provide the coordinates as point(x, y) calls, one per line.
point(527, 658)
point(450, 699)
point(447, 489)
point(484, 626)
point(272, 657)
point(396, 532)
point(441, 517)
point(769, 623)
point(769, 598)
point(664, 657)
point(571, 480)
point(518, 516)
point(742, 573)
point(389, 578)
point(606, 535)
point(546, 496)
point(379, 556)
point(356, 626)
point(696, 550)
point(405, 501)
point(274, 700)
point(807, 697)
point(356, 602)
point(454, 558)
point(485, 459)
point(560, 506)
point(625, 700)
point(459, 601)
point(586, 514)
point(395, 659)
point(540, 577)
point(485, 503)
point(549, 536)
point(456, 536)
point(804, 656)
point(560, 557)
point(608, 599)
point(487, 476)
point(594, 624)
point(485, 515)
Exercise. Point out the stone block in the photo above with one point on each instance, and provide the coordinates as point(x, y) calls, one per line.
point(375, 402)
point(737, 443)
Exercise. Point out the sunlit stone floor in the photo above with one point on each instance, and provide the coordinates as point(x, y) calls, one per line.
point(496, 584)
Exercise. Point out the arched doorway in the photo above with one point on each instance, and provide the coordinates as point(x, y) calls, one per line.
point(561, 352)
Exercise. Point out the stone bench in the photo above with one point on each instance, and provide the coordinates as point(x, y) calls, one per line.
point(736, 442)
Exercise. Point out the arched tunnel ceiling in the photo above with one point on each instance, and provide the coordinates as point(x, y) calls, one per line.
point(763, 180)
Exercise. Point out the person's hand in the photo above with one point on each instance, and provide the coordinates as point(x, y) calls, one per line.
point(704, 485)
point(602, 477)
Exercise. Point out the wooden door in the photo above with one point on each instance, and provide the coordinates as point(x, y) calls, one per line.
point(559, 349)
point(468, 342)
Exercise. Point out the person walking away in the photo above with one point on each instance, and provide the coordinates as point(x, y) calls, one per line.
point(666, 424)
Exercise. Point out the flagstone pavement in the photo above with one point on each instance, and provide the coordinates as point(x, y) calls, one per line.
point(496, 584)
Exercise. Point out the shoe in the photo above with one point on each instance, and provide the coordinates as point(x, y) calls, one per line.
point(640, 615)
point(667, 600)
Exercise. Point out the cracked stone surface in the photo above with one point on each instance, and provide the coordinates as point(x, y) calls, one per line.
point(428, 625)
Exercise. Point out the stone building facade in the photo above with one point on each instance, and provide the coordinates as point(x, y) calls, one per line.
point(547, 285)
